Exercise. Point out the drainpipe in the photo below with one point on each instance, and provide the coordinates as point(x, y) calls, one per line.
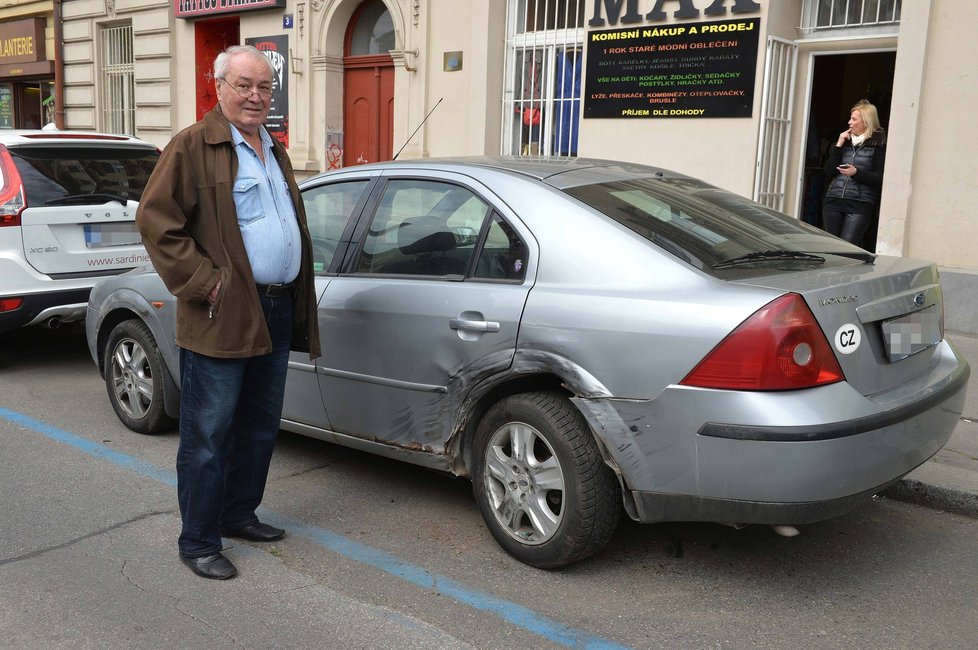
point(59, 95)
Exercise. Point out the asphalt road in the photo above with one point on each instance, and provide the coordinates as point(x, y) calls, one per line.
point(385, 555)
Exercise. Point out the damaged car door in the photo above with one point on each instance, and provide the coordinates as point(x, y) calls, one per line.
point(428, 306)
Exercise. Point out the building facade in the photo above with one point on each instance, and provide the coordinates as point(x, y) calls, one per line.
point(744, 94)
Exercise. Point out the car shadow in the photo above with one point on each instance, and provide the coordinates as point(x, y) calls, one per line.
point(828, 556)
point(39, 347)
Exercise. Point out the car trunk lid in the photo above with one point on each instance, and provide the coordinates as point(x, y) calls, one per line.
point(882, 320)
point(82, 239)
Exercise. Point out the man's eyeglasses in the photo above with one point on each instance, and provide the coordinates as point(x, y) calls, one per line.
point(245, 91)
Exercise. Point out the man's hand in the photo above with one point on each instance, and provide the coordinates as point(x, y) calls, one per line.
point(212, 296)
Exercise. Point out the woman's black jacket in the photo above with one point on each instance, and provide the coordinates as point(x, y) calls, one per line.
point(867, 158)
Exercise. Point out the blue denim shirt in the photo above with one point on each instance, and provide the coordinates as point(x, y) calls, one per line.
point(266, 215)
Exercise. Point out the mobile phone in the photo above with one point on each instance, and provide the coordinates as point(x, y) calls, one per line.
point(845, 166)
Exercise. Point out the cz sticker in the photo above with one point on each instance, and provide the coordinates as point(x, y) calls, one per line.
point(847, 338)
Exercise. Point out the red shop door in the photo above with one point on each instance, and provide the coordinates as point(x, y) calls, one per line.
point(368, 109)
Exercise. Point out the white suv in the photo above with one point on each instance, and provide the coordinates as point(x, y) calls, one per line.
point(67, 218)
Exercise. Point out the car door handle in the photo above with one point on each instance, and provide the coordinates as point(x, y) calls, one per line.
point(473, 325)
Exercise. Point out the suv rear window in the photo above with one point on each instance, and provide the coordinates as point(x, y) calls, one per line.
point(707, 227)
point(58, 173)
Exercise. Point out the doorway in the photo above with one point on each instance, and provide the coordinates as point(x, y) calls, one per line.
point(26, 104)
point(368, 86)
point(838, 82)
point(29, 105)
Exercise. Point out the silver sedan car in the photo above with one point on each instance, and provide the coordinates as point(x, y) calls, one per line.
point(587, 338)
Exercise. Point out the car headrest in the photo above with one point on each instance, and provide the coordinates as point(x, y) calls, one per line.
point(415, 237)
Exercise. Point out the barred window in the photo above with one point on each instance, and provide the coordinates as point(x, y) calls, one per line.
point(118, 80)
point(542, 100)
point(877, 15)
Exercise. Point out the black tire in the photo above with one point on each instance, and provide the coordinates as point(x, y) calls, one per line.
point(553, 502)
point(134, 377)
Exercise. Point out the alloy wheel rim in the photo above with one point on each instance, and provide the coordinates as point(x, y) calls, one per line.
point(524, 483)
point(132, 378)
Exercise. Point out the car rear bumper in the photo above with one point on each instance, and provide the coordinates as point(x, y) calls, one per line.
point(784, 458)
point(652, 507)
point(40, 308)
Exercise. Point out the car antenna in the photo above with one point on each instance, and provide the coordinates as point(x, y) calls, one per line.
point(417, 129)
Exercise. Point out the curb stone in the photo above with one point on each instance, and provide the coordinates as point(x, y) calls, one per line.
point(958, 502)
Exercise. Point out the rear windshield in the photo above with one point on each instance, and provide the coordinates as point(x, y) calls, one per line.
point(708, 227)
point(50, 174)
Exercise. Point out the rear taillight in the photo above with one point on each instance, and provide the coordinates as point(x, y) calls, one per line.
point(11, 190)
point(780, 347)
point(10, 304)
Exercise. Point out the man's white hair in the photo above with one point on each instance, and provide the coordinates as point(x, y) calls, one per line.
point(223, 60)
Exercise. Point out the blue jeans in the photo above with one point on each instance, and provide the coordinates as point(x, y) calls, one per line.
point(230, 410)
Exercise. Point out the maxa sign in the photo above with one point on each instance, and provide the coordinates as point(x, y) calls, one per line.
point(687, 9)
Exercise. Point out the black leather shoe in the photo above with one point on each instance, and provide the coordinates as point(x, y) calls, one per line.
point(256, 532)
point(214, 567)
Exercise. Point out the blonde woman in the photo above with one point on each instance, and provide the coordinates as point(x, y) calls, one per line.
point(855, 172)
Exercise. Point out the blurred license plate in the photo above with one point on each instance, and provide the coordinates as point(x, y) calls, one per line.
point(910, 334)
point(103, 235)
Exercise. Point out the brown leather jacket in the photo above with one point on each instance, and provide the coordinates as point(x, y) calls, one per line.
point(190, 229)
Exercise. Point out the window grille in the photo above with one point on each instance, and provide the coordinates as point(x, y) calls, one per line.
point(542, 96)
point(823, 15)
point(118, 80)
point(776, 106)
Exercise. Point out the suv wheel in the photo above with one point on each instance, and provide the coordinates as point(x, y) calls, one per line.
point(540, 481)
point(134, 378)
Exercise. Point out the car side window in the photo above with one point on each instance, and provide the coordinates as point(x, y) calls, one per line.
point(424, 228)
point(328, 209)
point(503, 255)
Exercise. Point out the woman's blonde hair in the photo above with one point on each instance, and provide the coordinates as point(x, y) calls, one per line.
point(870, 117)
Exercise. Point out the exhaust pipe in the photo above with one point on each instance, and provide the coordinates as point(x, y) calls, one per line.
point(52, 323)
point(785, 531)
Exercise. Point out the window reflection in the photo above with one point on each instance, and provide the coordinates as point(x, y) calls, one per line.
point(374, 31)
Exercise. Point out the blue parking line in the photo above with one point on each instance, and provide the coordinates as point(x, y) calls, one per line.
point(509, 611)
point(92, 448)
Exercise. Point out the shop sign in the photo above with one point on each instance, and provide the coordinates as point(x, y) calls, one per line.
point(678, 70)
point(276, 49)
point(6, 106)
point(22, 41)
point(687, 9)
point(198, 8)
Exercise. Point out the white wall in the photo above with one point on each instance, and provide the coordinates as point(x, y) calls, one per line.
point(467, 120)
point(944, 195)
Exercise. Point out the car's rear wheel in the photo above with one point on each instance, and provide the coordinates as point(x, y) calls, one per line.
point(540, 481)
point(134, 378)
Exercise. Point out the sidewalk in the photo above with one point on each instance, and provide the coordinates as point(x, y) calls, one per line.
point(949, 480)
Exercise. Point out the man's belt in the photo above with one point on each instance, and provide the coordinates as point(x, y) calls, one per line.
point(275, 290)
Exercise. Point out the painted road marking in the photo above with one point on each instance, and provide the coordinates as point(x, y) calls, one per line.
point(390, 564)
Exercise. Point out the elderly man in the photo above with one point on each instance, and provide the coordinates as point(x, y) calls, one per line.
point(224, 225)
